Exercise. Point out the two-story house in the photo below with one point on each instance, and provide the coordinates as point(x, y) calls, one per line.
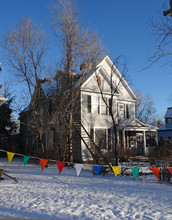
point(105, 99)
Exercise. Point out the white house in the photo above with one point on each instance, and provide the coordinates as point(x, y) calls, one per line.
point(100, 88)
point(94, 112)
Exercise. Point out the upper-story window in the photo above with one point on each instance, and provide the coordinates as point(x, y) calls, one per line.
point(89, 103)
point(121, 110)
point(97, 105)
point(168, 120)
point(104, 107)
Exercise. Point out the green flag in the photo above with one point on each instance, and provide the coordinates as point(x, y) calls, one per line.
point(26, 158)
point(135, 171)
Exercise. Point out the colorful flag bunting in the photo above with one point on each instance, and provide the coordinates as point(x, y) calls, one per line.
point(135, 171)
point(78, 168)
point(10, 156)
point(170, 169)
point(155, 170)
point(60, 166)
point(26, 158)
point(97, 168)
point(43, 163)
point(116, 170)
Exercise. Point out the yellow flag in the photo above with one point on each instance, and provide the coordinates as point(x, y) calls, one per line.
point(10, 156)
point(116, 170)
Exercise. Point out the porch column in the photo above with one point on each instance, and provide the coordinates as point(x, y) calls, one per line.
point(123, 137)
point(144, 142)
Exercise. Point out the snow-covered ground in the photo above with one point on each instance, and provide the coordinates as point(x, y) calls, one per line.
point(48, 195)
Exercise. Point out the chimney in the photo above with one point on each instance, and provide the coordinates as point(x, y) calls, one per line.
point(84, 66)
point(46, 79)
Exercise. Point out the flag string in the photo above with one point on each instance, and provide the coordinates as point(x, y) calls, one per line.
point(51, 160)
point(78, 166)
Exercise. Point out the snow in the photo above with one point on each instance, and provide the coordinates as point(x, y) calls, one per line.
point(48, 195)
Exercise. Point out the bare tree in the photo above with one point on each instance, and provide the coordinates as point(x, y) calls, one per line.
point(145, 110)
point(117, 80)
point(79, 46)
point(24, 50)
point(162, 28)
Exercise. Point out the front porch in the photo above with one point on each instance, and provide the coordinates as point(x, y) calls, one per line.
point(137, 136)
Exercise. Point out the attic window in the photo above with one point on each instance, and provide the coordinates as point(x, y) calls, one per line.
point(99, 80)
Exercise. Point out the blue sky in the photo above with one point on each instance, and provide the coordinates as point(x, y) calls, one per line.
point(125, 29)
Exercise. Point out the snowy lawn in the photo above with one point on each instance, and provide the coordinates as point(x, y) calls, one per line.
point(48, 195)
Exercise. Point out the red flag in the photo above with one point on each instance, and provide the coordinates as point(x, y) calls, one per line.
point(60, 166)
point(155, 170)
point(43, 163)
point(170, 169)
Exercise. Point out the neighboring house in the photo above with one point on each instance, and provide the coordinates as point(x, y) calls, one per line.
point(93, 122)
point(165, 132)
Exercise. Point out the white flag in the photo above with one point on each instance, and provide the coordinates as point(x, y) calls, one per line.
point(78, 168)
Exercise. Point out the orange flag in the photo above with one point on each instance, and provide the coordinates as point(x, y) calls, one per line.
point(170, 169)
point(60, 166)
point(155, 170)
point(10, 156)
point(43, 163)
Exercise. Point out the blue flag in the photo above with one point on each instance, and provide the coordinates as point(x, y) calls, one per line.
point(97, 168)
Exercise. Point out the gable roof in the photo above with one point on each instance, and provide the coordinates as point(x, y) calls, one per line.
point(168, 113)
point(136, 124)
point(103, 68)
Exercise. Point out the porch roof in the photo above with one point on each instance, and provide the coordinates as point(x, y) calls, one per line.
point(134, 124)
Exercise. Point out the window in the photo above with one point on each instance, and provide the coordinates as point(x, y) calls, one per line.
point(104, 108)
point(121, 110)
point(100, 138)
point(168, 120)
point(96, 105)
point(88, 103)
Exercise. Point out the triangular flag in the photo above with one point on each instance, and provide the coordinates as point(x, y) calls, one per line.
point(43, 163)
point(155, 170)
point(26, 158)
point(78, 168)
point(135, 171)
point(116, 170)
point(60, 166)
point(97, 168)
point(10, 156)
point(170, 169)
